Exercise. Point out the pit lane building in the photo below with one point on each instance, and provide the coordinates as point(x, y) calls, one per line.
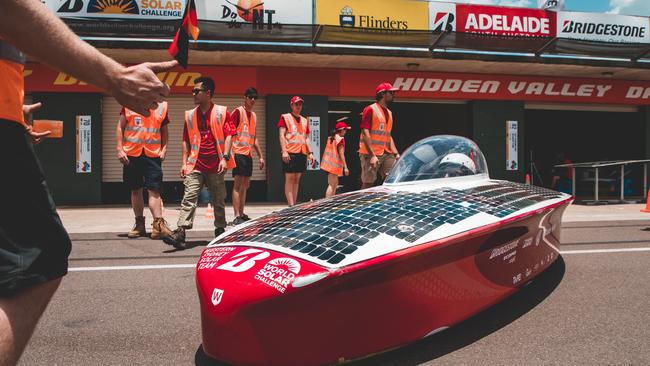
point(520, 82)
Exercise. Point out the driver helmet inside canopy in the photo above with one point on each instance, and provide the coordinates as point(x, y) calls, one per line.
point(439, 157)
point(456, 165)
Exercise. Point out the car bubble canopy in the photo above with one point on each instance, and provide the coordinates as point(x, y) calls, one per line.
point(439, 157)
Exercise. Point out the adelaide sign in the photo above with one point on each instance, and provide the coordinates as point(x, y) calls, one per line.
point(491, 20)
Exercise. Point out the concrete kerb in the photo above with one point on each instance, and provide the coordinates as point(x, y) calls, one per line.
point(119, 219)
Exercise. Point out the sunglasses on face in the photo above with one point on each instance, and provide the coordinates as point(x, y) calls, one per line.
point(197, 91)
point(252, 97)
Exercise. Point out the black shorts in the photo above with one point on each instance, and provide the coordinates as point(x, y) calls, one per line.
point(244, 166)
point(143, 171)
point(297, 164)
point(34, 246)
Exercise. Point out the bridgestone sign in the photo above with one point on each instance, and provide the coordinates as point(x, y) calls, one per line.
point(603, 27)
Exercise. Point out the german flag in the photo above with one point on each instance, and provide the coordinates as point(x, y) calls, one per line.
point(190, 27)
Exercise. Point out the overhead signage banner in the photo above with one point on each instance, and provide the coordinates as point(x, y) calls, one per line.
point(233, 80)
point(492, 20)
point(441, 86)
point(118, 9)
point(603, 27)
point(261, 12)
point(396, 15)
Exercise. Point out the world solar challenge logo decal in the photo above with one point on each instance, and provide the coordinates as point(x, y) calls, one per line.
point(113, 7)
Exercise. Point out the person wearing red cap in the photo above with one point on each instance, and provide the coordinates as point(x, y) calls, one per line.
point(377, 150)
point(294, 142)
point(333, 160)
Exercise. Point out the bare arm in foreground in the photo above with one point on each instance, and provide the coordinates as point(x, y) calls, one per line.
point(36, 31)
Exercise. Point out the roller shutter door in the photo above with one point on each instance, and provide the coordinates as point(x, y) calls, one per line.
point(112, 169)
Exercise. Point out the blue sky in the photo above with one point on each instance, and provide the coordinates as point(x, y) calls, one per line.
point(627, 7)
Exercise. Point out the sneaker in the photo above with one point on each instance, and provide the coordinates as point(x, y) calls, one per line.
point(176, 239)
point(160, 229)
point(138, 229)
point(218, 231)
point(238, 220)
point(245, 217)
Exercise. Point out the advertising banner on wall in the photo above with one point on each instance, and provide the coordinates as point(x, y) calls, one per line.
point(512, 146)
point(492, 20)
point(397, 15)
point(314, 141)
point(118, 9)
point(84, 144)
point(603, 27)
point(232, 80)
point(256, 11)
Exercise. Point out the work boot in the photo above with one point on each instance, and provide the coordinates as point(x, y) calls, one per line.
point(160, 229)
point(176, 239)
point(218, 231)
point(138, 229)
point(238, 220)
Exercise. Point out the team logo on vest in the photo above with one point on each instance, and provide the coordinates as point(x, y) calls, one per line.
point(249, 11)
point(443, 22)
point(381, 126)
point(137, 120)
point(279, 273)
point(113, 6)
point(348, 19)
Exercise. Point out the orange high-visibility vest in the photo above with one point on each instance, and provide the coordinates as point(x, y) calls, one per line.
point(331, 161)
point(379, 132)
point(12, 85)
point(217, 119)
point(143, 133)
point(245, 139)
point(296, 134)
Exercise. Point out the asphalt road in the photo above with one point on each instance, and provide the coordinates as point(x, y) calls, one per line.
point(592, 307)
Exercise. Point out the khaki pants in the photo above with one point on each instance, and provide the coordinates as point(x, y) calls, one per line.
point(369, 174)
point(193, 184)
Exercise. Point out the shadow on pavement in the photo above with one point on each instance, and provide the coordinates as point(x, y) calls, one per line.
point(462, 334)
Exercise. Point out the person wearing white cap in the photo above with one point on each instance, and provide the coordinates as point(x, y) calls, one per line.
point(294, 142)
point(377, 150)
point(333, 161)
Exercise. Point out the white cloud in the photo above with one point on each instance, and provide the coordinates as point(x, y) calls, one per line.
point(630, 7)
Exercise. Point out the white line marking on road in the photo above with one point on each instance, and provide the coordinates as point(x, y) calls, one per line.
point(121, 268)
point(193, 265)
point(596, 251)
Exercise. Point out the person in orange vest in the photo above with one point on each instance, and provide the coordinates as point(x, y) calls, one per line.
point(141, 148)
point(34, 245)
point(333, 160)
point(245, 121)
point(206, 157)
point(377, 150)
point(294, 142)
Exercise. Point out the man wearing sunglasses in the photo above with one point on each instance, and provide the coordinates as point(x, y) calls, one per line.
point(377, 150)
point(245, 121)
point(206, 157)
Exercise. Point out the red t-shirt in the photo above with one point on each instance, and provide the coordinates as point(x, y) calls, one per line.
point(234, 117)
point(164, 122)
point(208, 160)
point(297, 119)
point(366, 117)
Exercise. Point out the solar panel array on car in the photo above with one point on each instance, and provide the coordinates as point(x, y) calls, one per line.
point(333, 228)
